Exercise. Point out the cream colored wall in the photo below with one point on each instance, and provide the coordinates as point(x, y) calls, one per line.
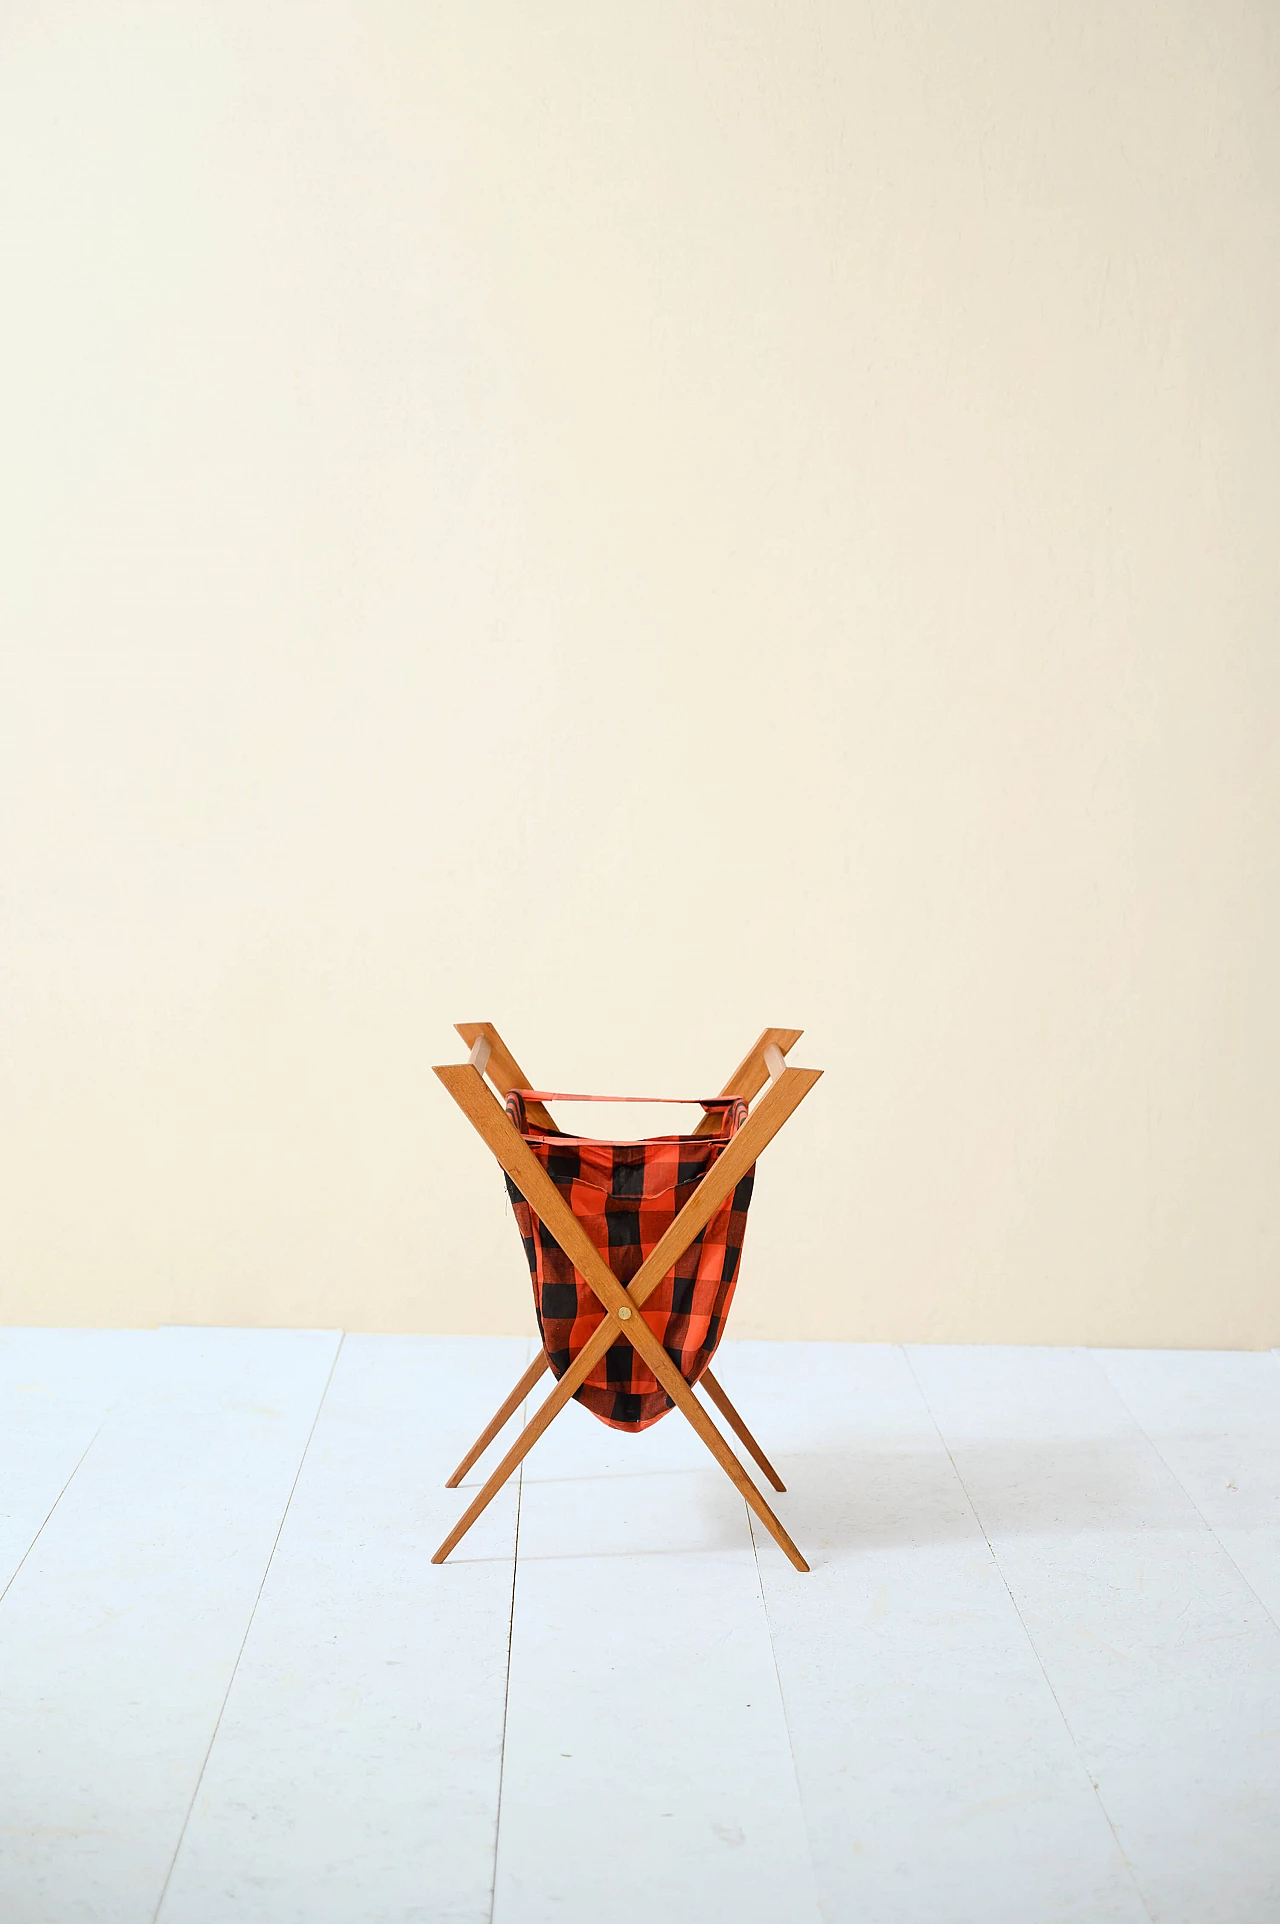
point(637, 522)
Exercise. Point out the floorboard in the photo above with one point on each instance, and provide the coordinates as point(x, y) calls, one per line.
point(940, 1784)
point(56, 1387)
point(119, 1635)
point(355, 1775)
point(1214, 1416)
point(648, 1771)
point(1032, 1678)
point(1164, 1661)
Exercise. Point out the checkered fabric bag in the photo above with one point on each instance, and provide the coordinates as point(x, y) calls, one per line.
point(625, 1195)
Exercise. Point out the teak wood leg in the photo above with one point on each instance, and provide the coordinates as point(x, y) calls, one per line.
point(739, 1428)
point(682, 1396)
point(538, 1368)
point(585, 1361)
point(501, 1419)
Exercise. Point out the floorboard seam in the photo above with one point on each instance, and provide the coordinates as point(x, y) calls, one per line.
point(506, 1687)
point(52, 1507)
point(786, 1721)
point(1031, 1642)
point(226, 1695)
point(1119, 1395)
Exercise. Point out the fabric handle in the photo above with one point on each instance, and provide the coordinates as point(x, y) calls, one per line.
point(552, 1095)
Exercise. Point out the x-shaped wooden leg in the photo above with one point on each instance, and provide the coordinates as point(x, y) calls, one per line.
point(466, 1085)
point(540, 1366)
point(506, 1074)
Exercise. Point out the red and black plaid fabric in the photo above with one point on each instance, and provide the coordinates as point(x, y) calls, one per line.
point(625, 1195)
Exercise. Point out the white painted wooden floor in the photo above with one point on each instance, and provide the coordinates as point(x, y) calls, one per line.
point(1033, 1678)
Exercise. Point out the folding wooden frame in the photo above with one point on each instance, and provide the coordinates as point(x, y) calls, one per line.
point(465, 1081)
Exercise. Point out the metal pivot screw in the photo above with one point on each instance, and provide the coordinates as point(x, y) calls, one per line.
point(623, 1314)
